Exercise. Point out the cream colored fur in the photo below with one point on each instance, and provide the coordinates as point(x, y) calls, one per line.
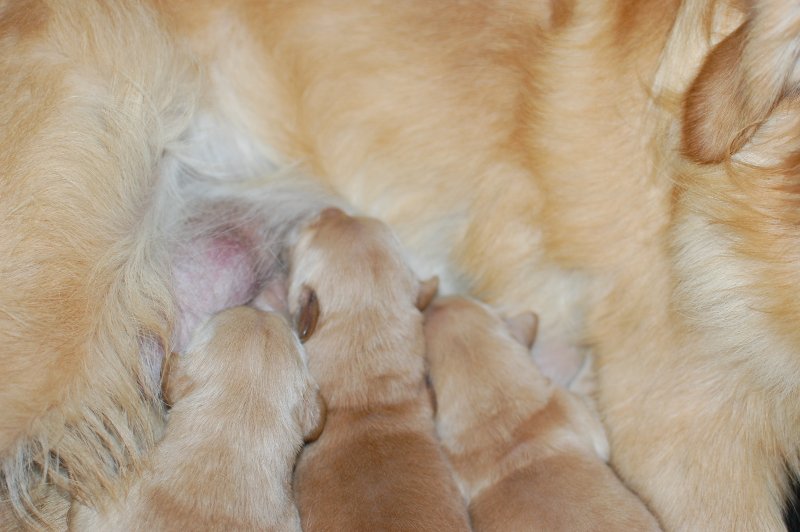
point(528, 454)
point(377, 465)
point(242, 403)
point(626, 168)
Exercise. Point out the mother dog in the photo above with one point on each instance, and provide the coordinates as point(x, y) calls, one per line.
point(632, 167)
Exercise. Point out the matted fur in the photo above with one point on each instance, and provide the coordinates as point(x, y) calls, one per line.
point(627, 166)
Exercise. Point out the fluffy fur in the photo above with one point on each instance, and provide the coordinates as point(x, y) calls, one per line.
point(243, 402)
point(629, 166)
point(528, 454)
point(377, 465)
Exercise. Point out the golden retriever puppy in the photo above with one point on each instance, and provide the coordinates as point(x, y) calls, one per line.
point(629, 165)
point(243, 402)
point(528, 454)
point(377, 465)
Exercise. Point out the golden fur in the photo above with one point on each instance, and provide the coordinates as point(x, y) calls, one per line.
point(243, 402)
point(377, 465)
point(629, 166)
point(528, 454)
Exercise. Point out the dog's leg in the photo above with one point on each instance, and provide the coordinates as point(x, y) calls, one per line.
point(700, 464)
point(692, 428)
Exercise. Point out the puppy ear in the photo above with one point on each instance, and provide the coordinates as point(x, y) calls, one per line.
point(741, 81)
point(307, 313)
point(312, 414)
point(427, 291)
point(523, 327)
point(331, 213)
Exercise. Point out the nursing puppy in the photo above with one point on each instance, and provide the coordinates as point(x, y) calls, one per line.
point(377, 465)
point(527, 454)
point(243, 402)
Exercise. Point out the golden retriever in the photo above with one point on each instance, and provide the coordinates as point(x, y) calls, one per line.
point(630, 166)
point(528, 454)
point(243, 402)
point(377, 465)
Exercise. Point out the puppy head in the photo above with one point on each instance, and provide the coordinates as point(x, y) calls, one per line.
point(456, 318)
point(241, 358)
point(308, 310)
point(238, 339)
point(469, 346)
point(342, 261)
point(454, 324)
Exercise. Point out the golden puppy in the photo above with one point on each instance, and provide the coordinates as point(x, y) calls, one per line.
point(242, 404)
point(377, 465)
point(528, 454)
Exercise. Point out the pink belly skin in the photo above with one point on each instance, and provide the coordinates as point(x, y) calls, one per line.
point(211, 274)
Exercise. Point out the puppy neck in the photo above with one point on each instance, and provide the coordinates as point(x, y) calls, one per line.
point(364, 357)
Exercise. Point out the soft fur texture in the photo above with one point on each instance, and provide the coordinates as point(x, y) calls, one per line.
point(528, 454)
point(243, 402)
point(377, 465)
point(629, 167)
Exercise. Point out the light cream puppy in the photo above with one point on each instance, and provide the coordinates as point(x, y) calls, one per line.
point(377, 465)
point(527, 454)
point(243, 403)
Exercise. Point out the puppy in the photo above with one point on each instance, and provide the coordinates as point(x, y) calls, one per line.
point(528, 454)
point(377, 466)
point(242, 404)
